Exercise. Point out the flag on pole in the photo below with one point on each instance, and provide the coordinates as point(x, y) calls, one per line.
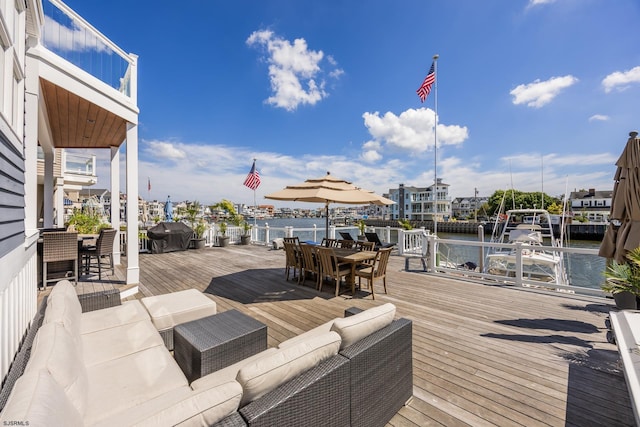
point(253, 178)
point(425, 87)
point(148, 184)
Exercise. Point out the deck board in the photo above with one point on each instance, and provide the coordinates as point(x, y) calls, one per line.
point(483, 354)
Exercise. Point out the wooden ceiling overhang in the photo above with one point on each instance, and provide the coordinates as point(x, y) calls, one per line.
point(76, 122)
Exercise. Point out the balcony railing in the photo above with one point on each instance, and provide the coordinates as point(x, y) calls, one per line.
point(79, 164)
point(69, 36)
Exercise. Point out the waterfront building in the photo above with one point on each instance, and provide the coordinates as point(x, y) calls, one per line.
point(467, 207)
point(417, 203)
point(592, 204)
point(54, 97)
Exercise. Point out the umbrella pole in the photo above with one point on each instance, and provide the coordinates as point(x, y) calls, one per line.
point(326, 220)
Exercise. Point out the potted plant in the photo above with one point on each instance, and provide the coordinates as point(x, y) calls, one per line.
point(362, 226)
point(223, 239)
point(199, 229)
point(245, 239)
point(623, 281)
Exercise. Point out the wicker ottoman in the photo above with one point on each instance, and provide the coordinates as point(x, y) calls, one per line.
point(172, 309)
point(215, 342)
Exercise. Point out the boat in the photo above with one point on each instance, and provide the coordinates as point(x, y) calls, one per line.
point(530, 231)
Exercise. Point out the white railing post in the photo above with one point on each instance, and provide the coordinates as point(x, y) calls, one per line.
point(315, 233)
point(332, 232)
point(387, 232)
point(518, 277)
point(266, 233)
point(402, 241)
point(433, 251)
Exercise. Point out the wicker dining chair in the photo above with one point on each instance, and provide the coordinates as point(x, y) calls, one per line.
point(292, 259)
point(102, 250)
point(376, 271)
point(330, 267)
point(58, 246)
point(310, 264)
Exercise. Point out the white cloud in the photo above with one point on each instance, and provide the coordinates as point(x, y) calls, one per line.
point(539, 2)
point(539, 93)
point(294, 70)
point(621, 80)
point(599, 117)
point(166, 150)
point(411, 131)
point(74, 39)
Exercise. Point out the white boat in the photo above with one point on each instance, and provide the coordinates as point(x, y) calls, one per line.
point(531, 233)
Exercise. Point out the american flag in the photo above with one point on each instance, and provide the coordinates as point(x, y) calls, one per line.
point(253, 178)
point(425, 87)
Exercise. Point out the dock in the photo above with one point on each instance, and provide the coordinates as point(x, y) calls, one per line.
point(483, 355)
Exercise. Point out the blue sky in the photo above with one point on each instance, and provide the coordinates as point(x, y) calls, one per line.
point(531, 93)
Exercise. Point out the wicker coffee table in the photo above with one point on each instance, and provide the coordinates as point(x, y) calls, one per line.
point(206, 345)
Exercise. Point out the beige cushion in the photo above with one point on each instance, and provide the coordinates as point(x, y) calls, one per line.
point(119, 341)
point(131, 380)
point(54, 350)
point(65, 287)
point(267, 373)
point(318, 330)
point(37, 398)
point(352, 329)
point(128, 312)
point(175, 308)
point(64, 308)
point(229, 373)
point(183, 407)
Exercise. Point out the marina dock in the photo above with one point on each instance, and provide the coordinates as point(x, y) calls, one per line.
point(482, 354)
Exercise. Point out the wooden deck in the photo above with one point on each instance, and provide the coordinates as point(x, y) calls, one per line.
point(483, 354)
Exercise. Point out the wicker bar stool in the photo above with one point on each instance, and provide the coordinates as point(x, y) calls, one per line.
point(59, 246)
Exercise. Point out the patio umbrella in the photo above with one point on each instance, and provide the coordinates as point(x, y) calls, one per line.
point(328, 189)
point(623, 232)
point(168, 210)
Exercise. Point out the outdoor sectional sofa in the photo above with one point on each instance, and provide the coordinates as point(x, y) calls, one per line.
point(111, 367)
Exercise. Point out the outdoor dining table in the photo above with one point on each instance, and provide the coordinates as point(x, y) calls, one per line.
point(354, 257)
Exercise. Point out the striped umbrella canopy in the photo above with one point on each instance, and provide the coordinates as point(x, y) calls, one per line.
point(623, 232)
point(329, 189)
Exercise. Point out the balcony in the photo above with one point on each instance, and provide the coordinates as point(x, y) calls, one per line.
point(69, 36)
point(79, 169)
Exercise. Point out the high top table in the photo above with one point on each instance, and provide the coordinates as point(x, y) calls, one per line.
point(206, 345)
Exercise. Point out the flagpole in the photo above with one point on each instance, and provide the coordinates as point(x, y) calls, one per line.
point(435, 147)
point(255, 204)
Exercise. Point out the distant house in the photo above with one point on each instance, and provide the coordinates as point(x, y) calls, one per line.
point(417, 203)
point(591, 204)
point(467, 207)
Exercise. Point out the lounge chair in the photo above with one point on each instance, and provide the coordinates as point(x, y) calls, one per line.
point(346, 235)
point(373, 237)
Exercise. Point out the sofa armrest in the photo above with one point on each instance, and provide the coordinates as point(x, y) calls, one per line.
point(318, 396)
point(22, 357)
point(98, 300)
point(380, 361)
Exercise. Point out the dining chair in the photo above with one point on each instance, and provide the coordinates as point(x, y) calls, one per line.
point(330, 267)
point(102, 250)
point(365, 246)
point(59, 246)
point(347, 244)
point(309, 262)
point(329, 243)
point(378, 270)
point(292, 259)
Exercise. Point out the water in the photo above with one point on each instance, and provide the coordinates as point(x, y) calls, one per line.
point(582, 270)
